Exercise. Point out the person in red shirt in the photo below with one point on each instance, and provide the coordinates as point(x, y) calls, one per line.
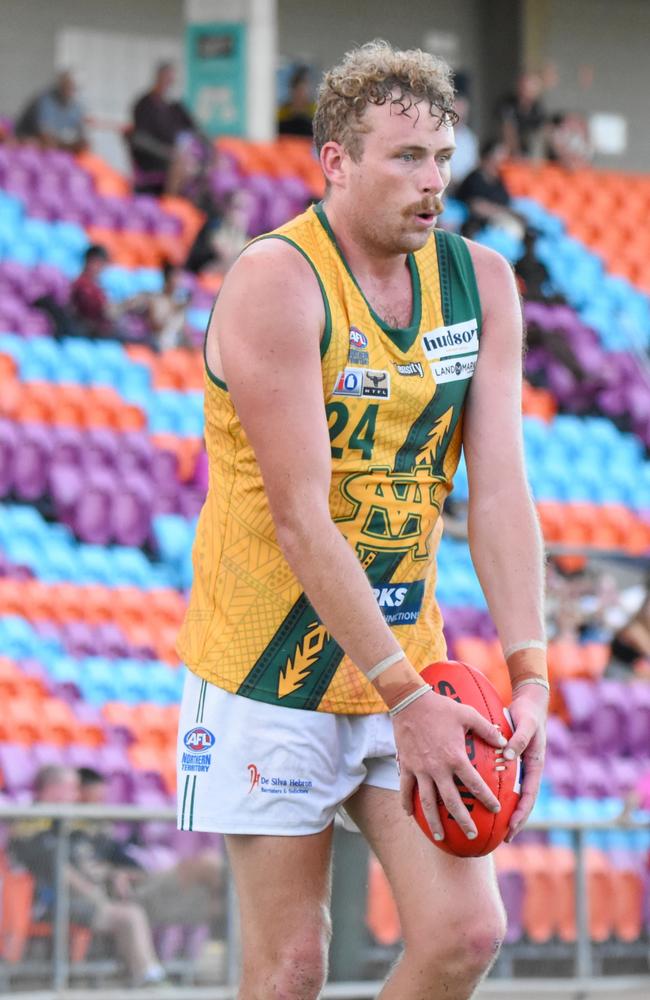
point(94, 315)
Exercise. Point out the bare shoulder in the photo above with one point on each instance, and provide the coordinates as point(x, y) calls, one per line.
point(494, 277)
point(271, 271)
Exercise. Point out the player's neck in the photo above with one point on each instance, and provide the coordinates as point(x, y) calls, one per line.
point(362, 257)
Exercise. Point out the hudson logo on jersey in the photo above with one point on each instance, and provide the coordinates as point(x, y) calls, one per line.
point(366, 382)
point(400, 603)
point(448, 341)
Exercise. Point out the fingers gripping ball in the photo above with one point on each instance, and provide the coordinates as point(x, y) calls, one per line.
point(468, 686)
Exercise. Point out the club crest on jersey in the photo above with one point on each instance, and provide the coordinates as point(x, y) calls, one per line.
point(198, 740)
point(366, 382)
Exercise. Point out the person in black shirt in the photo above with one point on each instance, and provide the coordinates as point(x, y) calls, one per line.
point(485, 194)
point(522, 117)
point(161, 137)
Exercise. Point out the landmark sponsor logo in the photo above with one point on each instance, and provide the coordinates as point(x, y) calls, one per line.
point(453, 370)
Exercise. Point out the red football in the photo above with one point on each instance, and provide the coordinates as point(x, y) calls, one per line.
point(468, 686)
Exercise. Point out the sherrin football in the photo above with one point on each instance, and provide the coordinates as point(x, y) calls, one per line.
point(468, 686)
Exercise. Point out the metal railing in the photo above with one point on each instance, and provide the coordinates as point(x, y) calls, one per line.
point(65, 816)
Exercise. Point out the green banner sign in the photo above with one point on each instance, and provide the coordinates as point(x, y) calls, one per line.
point(215, 56)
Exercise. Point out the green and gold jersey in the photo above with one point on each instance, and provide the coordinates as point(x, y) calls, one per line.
point(394, 402)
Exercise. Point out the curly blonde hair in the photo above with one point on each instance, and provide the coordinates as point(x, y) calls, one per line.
point(376, 73)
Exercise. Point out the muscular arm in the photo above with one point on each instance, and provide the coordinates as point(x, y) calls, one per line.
point(265, 340)
point(504, 535)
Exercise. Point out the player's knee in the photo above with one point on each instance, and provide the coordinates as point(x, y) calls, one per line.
point(298, 969)
point(463, 950)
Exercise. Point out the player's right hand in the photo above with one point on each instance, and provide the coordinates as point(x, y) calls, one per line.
point(430, 740)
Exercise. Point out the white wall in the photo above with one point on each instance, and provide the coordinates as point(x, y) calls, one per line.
point(29, 29)
point(613, 38)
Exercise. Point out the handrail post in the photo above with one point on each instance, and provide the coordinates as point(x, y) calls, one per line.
point(583, 960)
point(60, 962)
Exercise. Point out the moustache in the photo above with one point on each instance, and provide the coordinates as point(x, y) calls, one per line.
point(434, 206)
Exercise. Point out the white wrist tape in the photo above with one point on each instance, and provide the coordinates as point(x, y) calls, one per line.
point(384, 664)
point(528, 644)
point(532, 680)
point(410, 698)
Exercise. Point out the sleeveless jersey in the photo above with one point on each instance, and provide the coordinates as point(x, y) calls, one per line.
point(394, 402)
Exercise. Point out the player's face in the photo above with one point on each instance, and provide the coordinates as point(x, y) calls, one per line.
point(393, 191)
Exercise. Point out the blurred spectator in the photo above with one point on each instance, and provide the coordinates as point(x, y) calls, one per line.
point(223, 236)
point(166, 144)
point(32, 844)
point(522, 117)
point(166, 311)
point(54, 117)
point(188, 893)
point(567, 141)
point(485, 194)
point(631, 642)
point(466, 154)
point(92, 313)
point(296, 114)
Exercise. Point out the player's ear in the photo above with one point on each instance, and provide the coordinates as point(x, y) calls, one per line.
point(333, 158)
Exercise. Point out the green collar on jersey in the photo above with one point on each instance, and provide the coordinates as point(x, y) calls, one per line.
point(402, 337)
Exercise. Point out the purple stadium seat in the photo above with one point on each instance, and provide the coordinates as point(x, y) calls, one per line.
point(558, 738)
point(562, 776)
point(30, 464)
point(17, 766)
point(131, 510)
point(91, 517)
point(580, 697)
point(609, 718)
point(9, 438)
point(638, 726)
point(45, 754)
point(512, 888)
point(78, 755)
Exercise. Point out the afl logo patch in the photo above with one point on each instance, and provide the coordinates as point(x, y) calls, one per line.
point(198, 740)
point(357, 338)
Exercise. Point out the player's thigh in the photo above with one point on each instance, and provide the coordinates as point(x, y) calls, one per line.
point(283, 886)
point(431, 888)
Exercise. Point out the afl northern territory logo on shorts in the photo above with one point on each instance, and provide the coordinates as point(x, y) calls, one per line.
point(198, 743)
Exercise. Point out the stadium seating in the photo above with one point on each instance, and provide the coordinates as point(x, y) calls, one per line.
point(103, 472)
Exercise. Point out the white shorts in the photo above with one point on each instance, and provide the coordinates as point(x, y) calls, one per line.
point(248, 767)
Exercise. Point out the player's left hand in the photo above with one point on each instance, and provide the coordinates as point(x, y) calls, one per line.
point(528, 709)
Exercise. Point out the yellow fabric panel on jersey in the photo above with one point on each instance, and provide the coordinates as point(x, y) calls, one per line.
point(394, 402)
